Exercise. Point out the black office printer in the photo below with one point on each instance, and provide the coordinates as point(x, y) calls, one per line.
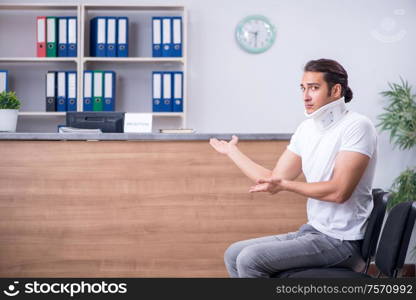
point(105, 120)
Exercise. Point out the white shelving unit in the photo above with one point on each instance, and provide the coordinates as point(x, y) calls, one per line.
point(134, 73)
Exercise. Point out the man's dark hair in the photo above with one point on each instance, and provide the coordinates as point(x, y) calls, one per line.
point(333, 73)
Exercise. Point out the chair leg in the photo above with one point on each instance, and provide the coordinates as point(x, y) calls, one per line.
point(367, 266)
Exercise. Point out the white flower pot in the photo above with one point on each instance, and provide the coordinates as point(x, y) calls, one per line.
point(8, 120)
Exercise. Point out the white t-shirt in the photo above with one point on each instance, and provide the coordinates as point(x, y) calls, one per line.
point(318, 150)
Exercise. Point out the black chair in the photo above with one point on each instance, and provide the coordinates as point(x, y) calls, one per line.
point(391, 251)
point(375, 222)
point(368, 247)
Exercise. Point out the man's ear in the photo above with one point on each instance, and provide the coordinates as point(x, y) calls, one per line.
point(336, 91)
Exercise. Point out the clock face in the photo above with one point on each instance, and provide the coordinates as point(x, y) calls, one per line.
point(255, 34)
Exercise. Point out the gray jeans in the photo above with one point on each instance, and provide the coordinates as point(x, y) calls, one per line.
point(308, 247)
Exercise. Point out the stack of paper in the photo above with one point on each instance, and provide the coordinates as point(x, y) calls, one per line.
point(179, 130)
point(78, 130)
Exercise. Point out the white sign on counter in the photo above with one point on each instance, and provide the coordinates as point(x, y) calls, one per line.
point(138, 122)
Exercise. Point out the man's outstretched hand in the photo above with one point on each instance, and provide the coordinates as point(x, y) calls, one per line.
point(270, 185)
point(224, 147)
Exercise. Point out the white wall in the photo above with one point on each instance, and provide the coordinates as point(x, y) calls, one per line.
point(231, 91)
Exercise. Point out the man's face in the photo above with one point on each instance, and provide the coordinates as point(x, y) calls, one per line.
point(315, 91)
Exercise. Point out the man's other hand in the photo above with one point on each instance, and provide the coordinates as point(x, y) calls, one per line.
point(270, 185)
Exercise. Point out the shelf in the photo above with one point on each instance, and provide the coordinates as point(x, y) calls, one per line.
point(129, 7)
point(38, 59)
point(41, 114)
point(161, 114)
point(59, 114)
point(135, 59)
point(38, 6)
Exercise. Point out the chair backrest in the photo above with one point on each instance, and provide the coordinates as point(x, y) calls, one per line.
point(375, 222)
point(394, 241)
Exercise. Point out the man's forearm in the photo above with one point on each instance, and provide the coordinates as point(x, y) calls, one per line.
point(250, 168)
point(326, 191)
point(289, 166)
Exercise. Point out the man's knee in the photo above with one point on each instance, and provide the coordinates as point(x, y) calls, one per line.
point(230, 255)
point(248, 261)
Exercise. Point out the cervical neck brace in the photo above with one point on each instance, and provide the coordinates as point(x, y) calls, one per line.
point(328, 114)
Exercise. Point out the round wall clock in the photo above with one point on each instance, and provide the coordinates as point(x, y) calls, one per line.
point(255, 34)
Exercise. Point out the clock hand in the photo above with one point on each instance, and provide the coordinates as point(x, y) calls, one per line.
point(250, 33)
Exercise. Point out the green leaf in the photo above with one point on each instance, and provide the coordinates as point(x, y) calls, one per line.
point(403, 188)
point(400, 115)
point(9, 100)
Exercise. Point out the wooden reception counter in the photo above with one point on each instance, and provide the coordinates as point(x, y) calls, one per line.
point(125, 205)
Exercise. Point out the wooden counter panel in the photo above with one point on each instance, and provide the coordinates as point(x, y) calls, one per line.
point(131, 209)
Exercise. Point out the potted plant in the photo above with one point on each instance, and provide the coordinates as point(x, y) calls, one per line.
point(400, 120)
point(9, 107)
